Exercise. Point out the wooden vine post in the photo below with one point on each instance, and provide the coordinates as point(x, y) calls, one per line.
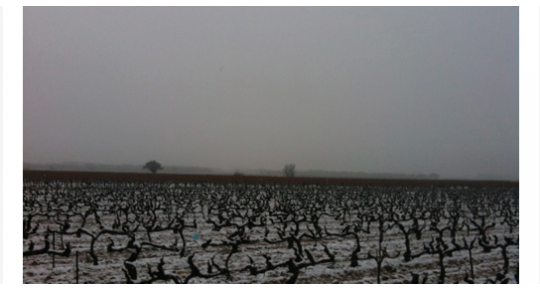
point(77, 267)
point(53, 242)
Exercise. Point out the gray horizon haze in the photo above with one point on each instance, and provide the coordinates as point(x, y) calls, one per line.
point(405, 90)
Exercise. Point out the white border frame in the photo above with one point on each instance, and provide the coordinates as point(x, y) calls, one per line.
point(529, 124)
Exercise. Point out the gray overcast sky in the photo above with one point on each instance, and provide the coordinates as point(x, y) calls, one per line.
point(399, 90)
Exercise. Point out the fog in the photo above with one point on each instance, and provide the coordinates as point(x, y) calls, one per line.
point(397, 90)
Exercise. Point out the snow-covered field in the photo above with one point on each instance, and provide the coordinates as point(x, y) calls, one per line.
point(268, 233)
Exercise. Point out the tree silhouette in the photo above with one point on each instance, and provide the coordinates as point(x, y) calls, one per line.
point(153, 166)
point(288, 170)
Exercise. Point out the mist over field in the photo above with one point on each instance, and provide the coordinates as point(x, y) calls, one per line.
point(351, 89)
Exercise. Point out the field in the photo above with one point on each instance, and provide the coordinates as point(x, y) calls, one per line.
point(144, 228)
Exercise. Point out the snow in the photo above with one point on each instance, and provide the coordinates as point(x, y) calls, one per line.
point(39, 269)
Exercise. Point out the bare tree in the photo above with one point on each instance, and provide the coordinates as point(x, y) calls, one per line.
point(288, 170)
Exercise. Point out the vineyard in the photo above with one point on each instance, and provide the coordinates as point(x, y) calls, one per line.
point(98, 230)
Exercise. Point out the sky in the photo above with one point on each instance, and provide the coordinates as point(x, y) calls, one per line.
point(393, 90)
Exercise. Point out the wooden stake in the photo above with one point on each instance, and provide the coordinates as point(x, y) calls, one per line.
point(53, 242)
point(77, 267)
